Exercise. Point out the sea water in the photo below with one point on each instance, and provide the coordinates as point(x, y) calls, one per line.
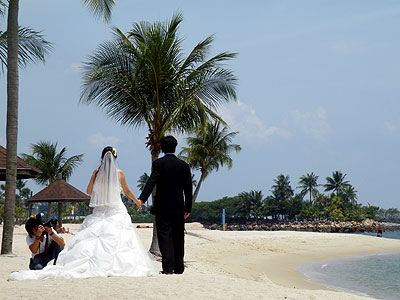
point(376, 275)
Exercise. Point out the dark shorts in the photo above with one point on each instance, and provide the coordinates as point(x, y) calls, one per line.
point(42, 259)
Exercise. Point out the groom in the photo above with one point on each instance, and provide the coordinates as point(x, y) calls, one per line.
point(172, 179)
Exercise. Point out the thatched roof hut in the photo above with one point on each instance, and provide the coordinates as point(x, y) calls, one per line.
point(59, 191)
point(24, 170)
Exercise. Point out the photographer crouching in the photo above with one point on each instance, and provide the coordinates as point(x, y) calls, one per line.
point(43, 241)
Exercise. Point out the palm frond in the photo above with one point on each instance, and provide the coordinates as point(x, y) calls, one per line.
point(100, 8)
point(46, 158)
point(142, 78)
point(32, 47)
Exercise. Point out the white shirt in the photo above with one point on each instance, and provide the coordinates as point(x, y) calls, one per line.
point(42, 244)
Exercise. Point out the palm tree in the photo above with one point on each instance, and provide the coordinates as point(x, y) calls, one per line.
point(282, 188)
point(33, 47)
point(256, 204)
point(281, 192)
point(308, 184)
point(243, 205)
point(194, 181)
point(336, 183)
point(209, 149)
point(142, 181)
point(99, 8)
point(143, 78)
point(23, 193)
point(349, 194)
point(45, 158)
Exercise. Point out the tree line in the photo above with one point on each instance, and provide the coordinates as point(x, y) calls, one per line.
point(337, 202)
point(340, 204)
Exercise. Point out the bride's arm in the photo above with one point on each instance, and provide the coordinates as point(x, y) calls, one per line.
point(89, 189)
point(126, 189)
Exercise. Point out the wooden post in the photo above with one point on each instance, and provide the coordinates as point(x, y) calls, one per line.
point(60, 213)
point(48, 211)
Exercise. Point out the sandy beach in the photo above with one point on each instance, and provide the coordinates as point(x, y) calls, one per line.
point(220, 265)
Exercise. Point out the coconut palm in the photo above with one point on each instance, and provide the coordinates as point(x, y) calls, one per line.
point(32, 48)
point(194, 181)
point(209, 149)
point(143, 78)
point(282, 189)
point(308, 184)
point(23, 193)
point(99, 8)
point(256, 204)
point(349, 195)
point(281, 193)
point(142, 181)
point(46, 158)
point(336, 183)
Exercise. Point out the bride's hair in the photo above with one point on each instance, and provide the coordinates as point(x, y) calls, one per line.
point(111, 149)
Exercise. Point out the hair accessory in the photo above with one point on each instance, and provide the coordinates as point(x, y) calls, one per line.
point(114, 152)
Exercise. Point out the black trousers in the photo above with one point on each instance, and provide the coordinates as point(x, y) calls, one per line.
point(42, 259)
point(171, 239)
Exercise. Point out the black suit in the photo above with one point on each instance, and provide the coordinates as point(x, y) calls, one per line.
point(173, 181)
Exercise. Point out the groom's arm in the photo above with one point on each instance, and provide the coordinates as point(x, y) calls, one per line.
point(151, 182)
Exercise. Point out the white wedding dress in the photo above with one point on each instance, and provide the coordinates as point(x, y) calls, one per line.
point(106, 245)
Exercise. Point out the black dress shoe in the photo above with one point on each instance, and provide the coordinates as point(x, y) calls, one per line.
point(166, 273)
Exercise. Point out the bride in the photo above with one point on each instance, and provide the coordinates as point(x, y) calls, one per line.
point(107, 244)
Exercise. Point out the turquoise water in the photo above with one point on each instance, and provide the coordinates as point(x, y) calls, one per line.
point(374, 275)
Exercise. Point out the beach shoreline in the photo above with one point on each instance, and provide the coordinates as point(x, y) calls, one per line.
point(279, 253)
point(220, 265)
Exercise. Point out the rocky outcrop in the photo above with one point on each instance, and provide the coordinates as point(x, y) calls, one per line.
point(312, 226)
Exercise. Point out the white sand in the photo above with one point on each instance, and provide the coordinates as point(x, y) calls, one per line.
point(220, 265)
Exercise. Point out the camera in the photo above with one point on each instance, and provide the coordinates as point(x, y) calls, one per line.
point(50, 223)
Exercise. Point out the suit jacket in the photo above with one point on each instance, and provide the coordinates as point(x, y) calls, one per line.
point(173, 181)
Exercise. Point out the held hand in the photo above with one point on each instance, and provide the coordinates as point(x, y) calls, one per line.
point(40, 230)
point(186, 215)
point(139, 204)
point(49, 230)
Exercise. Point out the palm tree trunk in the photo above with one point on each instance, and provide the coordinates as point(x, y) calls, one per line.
point(154, 248)
point(12, 126)
point(196, 191)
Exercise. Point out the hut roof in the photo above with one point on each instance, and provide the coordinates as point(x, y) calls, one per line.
point(59, 191)
point(24, 170)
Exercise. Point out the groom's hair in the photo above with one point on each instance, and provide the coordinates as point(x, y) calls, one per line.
point(168, 144)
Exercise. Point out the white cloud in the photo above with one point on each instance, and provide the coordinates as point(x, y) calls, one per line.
point(390, 128)
point(74, 68)
point(98, 140)
point(243, 118)
point(314, 123)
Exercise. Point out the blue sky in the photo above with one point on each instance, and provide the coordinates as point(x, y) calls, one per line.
point(318, 90)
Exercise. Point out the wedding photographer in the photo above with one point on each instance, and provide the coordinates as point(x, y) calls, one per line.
point(43, 241)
